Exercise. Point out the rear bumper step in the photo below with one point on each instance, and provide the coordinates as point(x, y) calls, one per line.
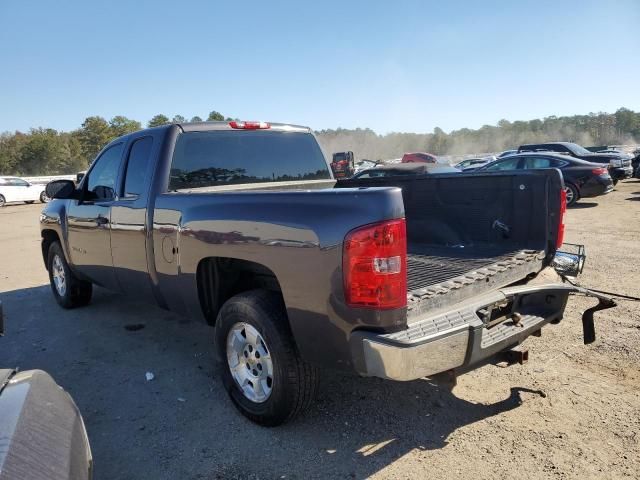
point(460, 339)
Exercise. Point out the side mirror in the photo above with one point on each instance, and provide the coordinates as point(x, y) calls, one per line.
point(61, 189)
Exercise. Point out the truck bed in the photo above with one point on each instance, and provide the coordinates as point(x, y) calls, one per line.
point(470, 233)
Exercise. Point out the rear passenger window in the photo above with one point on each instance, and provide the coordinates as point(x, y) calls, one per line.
point(219, 157)
point(139, 157)
point(509, 164)
point(538, 162)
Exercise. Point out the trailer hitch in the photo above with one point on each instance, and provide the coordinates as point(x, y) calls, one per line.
point(588, 327)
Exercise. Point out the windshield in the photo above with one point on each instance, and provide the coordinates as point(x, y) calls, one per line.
point(339, 157)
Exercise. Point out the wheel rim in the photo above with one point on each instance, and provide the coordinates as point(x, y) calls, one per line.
point(570, 194)
point(1, 201)
point(59, 278)
point(250, 362)
point(44, 198)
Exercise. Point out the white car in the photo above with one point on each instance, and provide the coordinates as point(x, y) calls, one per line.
point(15, 189)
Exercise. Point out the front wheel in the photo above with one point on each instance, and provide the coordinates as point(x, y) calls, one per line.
point(29, 202)
point(44, 198)
point(572, 194)
point(68, 290)
point(2, 201)
point(260, 366)
point(615, 181)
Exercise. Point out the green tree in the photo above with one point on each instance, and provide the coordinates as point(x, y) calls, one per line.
point(122, 125)
point(215, 117)
point(158, 120)
point(179, 119)
point(94, 135)
point(10, 148)
point(196, 119)
point(45, 151)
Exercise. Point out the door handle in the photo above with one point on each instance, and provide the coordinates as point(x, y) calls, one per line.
point(102, 220)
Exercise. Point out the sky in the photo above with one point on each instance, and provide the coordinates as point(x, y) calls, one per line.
point(392, 66)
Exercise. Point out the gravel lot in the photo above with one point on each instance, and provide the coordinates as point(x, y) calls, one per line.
point(572, 412)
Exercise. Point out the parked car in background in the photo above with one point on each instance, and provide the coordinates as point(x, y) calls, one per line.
point(42, 434)
point(581, 179)
point(419, 157)
point(405, 169)
point(16, 189)
point(365, 164)
point(506, 153)
point(343, 164)
point(618, 163)
point(635, 163)
point(472, 163)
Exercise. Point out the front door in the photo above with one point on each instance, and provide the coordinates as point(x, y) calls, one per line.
point(89, 220)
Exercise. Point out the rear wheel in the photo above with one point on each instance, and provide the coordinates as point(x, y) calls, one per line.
point(29, 202)
point(2, 201)
point(572, 194)
point(260, 366)
point(615, 181)
point(68, 290)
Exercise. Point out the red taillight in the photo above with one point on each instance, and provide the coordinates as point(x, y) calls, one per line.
point(599, 171)
point(563, 209)
point(249, 125)
point(374, 265)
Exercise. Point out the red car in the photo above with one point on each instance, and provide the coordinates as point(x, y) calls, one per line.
point(419, 157)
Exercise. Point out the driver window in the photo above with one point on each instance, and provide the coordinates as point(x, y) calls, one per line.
point(101, 181)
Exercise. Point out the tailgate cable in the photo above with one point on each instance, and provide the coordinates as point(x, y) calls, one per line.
point(588, 327)
point(617, 295)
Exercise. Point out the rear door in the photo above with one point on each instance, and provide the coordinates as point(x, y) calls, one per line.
point(129, 234)
point(89, 219)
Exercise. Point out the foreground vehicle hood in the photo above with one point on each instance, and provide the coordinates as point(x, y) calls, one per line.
point(42, 435)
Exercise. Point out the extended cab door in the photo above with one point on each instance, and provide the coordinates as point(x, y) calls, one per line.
point(89, 220)
point(129, 233)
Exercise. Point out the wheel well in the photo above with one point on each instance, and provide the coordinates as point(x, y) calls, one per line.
point(48, 237)
point(220, 278)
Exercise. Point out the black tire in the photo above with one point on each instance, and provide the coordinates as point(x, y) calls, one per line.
point(77, 293)
point(44, 198)
point(573, 196)
point(615, 181)
point(29, 202)
point(3, 202)
point(294, 381)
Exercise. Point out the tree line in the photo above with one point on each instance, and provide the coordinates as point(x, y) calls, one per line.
point(45, 151)
point(619, 128)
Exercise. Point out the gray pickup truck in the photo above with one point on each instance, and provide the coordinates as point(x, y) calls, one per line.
point(242, 225)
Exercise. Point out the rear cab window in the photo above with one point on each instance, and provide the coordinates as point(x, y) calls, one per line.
point(221, 157)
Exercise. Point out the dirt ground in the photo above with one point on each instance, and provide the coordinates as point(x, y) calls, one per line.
point(573, 411)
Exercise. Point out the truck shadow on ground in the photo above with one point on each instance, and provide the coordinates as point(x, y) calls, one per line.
point(182, 424)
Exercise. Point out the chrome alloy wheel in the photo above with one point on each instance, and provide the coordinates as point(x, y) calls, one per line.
point(569, 192)
point(59, 278)
point(250, 362)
